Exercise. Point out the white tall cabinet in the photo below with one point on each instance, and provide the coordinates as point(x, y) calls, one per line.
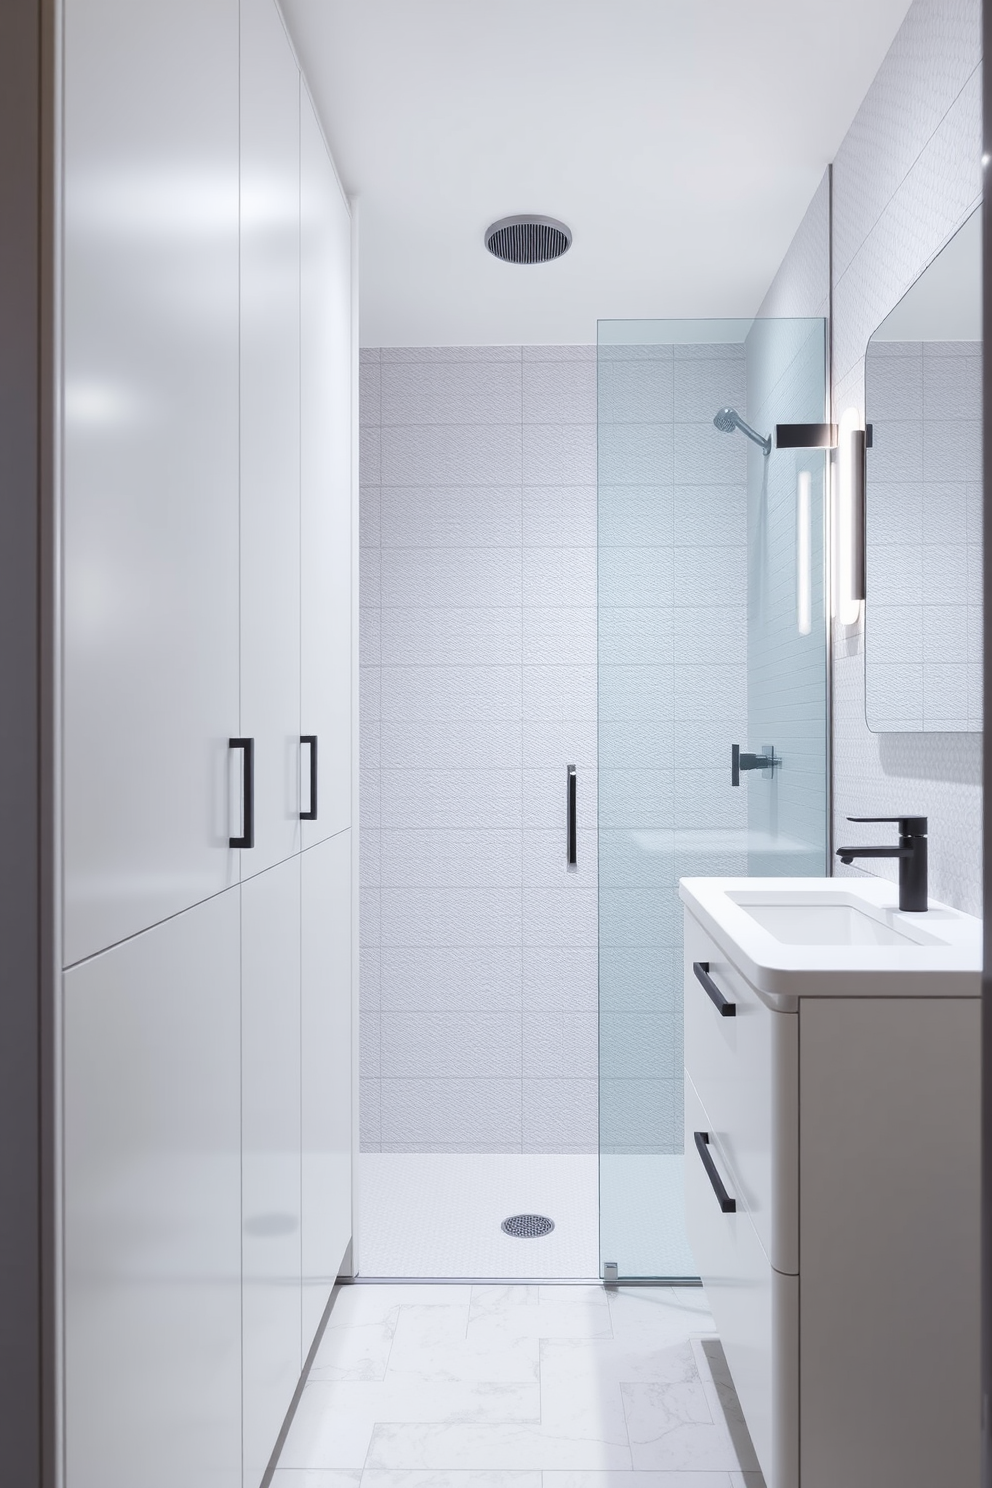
point(207, 540)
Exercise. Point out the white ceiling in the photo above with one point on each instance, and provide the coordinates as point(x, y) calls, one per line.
point(681, 140)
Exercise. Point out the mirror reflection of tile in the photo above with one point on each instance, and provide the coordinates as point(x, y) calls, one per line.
point(923, 631)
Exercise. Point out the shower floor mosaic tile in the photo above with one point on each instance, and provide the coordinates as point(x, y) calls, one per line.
point(424, 1386)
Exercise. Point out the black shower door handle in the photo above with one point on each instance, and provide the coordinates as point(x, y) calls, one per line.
point(570, 844)
point(311, 813)
point(247, 838)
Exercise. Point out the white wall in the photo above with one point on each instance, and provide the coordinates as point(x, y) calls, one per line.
point(904, 180)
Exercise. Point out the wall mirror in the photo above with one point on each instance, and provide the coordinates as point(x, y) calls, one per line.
point(923, 501)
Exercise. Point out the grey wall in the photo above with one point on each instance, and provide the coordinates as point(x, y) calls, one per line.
point(478, 634)
point(906, 177)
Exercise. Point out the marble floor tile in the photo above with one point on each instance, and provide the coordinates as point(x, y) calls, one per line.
point(654, 1315)
point(355, 1350)
point(569, 1362)
point(448, 1478)
point(672, 1428)
point(306, 1477)
point(332, 1426)
point(499, 1313)
point(521, 1386)
point(442, 1446)
point(636, 1479)
point(430, 1343)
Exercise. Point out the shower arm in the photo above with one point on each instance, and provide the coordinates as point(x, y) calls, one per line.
point(764, 441)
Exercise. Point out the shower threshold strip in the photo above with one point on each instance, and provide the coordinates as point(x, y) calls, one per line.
point(627, 1281)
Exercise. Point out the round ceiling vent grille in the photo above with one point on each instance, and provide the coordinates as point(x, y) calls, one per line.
point(528, 240)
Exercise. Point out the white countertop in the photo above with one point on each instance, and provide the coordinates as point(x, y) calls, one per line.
point(942, 958)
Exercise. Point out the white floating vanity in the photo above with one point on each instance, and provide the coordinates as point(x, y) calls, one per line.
point(832, 1084)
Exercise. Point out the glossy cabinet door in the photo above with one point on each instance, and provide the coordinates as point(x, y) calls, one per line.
point(326, 476)
point(327, 1071)
point(270, 1162)
point(153, 1207)
point(150, 537)
point(270, 429)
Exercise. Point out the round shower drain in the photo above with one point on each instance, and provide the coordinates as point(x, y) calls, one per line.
point(527, 1226)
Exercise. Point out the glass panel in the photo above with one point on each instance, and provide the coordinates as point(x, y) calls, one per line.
point(711, 633)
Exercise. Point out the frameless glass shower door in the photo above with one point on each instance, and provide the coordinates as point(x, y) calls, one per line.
point(712, 633)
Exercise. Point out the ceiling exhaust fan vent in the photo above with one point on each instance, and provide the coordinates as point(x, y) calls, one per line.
point(528, 240)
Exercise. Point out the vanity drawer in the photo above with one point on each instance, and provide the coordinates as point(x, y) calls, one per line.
point(755, 1308)
point(745, 1069)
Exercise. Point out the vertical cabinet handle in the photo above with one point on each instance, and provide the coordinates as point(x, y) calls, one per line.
point(727, 1204)
point(570, 843)
point(247, 838)
point(726, 1008)
point(311, 813)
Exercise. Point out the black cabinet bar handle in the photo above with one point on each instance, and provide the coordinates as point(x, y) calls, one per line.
point(727, 1204)
point(311, 814)
point(726, 1008)
point(571, 839)
point(247, 838)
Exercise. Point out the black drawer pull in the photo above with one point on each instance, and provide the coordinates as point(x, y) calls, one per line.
point(724, 1006)
point(311, 813)
point(247, 838)
point(727, 1204)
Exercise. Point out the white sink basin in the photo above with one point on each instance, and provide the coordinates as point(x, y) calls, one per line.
point(814, 920)
point(837, 937)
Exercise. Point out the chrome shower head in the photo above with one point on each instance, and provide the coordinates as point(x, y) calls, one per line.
point(728, 419)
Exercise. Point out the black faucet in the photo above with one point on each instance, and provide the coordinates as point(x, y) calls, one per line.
point(912, 855)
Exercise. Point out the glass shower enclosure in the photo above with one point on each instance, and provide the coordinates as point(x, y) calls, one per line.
point(712, 633)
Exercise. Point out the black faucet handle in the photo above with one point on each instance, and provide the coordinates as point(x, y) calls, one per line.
point(909, 826)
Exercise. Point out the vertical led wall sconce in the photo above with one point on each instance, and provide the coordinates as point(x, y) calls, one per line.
point(850, 518)
point(804, 607)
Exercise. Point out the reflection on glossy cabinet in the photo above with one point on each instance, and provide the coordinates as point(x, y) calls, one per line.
point(270, 1155)
point(151, 461)
point(153, 1208)
point(327, 1075)
point(326, 475)
point(270, 429)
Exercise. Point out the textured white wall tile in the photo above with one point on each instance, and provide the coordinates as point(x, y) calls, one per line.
point(450, 576)
point(484, 392)
point(558, 634)
point(450, 1044)
point(559, 392)
point(451, 978)
point(560, 1115)
point(451, 744)
point(559, 454)
point(637, 391)
point(550, 743)
point(451, 798)
point(640, 576)
point(438, 636)
point(483, 1112)
point(451, 517)
point(558, 576)
point(476, 858)
point(560, 979)
point(459, 693)
point(544, 864)
point(450, 455)
point(559, 516)
point(636, 454)
point(450, 917)
point(559, 692)
point(559, 917)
